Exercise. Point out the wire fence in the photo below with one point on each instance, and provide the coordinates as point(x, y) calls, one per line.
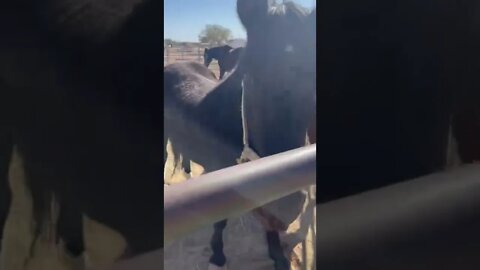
point(188, 53)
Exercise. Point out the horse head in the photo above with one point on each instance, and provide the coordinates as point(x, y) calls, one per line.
point(207, 58)
point(279, 70)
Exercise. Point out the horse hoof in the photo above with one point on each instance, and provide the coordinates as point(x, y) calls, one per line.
point(215, 267)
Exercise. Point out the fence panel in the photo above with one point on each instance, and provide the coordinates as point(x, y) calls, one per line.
point(240, 188)
point(187, 53)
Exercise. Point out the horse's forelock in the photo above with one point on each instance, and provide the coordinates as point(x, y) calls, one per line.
point(252, 13)
point(279, 15)
point(289, 9)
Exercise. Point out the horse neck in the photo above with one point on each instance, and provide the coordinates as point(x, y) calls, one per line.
point(217, 53)
point(221, 109)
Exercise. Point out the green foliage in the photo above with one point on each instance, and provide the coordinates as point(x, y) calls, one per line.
point(214, 34)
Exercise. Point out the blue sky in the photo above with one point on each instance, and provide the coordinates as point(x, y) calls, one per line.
point(185, 19)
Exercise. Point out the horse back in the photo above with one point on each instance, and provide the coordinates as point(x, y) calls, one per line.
point(187, 83)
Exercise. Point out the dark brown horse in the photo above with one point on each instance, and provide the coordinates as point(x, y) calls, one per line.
point(226, 56)
point(276, 75)
point(79, 99)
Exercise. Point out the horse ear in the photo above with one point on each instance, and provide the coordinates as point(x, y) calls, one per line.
point(251, 12)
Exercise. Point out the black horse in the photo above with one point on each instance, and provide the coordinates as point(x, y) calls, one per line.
point(226, 56)
point(393, 74)
point(79, 98)
point(276, 75)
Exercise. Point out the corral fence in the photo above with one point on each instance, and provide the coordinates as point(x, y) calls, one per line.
point(183, 53)
point(193, 204)
point(188, 52)
point(426, 223)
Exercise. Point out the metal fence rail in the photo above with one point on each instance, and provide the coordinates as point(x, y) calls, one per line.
point(432, 222)
point(427, 223)
point(239, 189)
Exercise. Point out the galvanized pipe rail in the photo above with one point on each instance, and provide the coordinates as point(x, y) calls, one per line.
point(236, 190)
point(432, 222)
point(227, 193)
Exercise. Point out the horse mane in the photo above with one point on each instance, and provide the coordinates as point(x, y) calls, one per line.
point(289, 9)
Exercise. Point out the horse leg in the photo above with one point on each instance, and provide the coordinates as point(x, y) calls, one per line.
point(123, 190)
point(222, 70)
point(218, 258)
point(142, 228)
point(41, 202)
point(18, 234)
point(6, 148)
point(69, 227)
point(38, 183)
point(275, 219)
point(275, 251)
